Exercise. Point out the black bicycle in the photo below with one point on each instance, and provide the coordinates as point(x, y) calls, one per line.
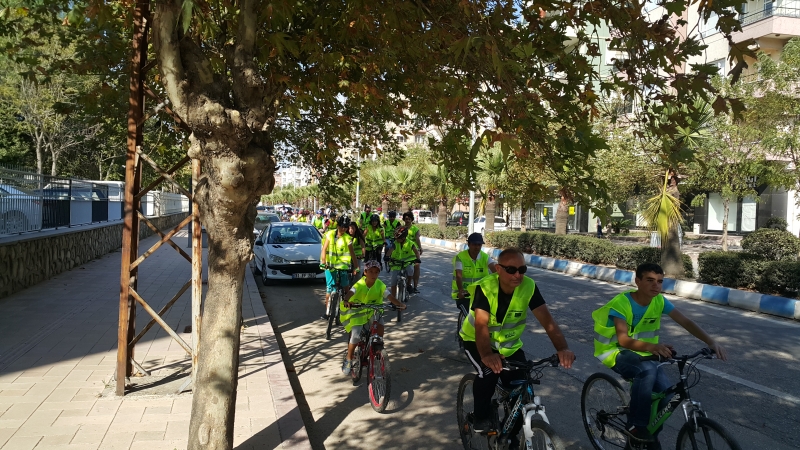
point(336, 297)
point(604, 408)
point(518, 402)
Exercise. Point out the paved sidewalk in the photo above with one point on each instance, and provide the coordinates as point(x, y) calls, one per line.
point(58, 354)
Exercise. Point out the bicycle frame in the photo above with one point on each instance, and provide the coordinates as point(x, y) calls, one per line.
point(679, 396)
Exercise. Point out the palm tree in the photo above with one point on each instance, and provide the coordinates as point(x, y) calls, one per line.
point(438, 178)
point(492, 170)
point(382, 177)
point(404, 180)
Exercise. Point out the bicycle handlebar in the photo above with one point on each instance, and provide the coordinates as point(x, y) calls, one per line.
point(530, 364)
point(706, 352)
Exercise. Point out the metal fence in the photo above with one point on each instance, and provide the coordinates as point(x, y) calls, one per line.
point(769, 11)
point(32, 202)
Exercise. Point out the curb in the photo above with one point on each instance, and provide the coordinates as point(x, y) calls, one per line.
point(788, 308)
point(291, 428)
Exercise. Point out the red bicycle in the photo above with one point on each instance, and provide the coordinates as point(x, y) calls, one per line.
point(370, 353)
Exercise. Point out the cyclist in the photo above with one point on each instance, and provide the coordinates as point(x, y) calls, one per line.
point(319, 221)
point(494, 329)
point(404, 250)
point(358, 243)
point(469, 267)
point(381, 215)
point(390, 225)
point(367, 290)
point(303, 216)
point(627, 327)
point(363, 218)
point(337, 252)
point(374, 237)
point(413, 235)
point(331, 225)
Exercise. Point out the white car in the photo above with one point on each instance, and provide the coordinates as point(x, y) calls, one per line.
point(288, 251)
point(19, 210)
point(422, 216)
point(499, 224)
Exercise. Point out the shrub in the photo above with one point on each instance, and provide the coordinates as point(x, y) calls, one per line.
point(432, 231)
point(732, 269)
point(781, 278)
point(629, 257)
point(778, 223)
point(772, 244)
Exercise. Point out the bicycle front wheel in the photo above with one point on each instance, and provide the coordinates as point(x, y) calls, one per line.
point(332, 313)
point(603, 406)
point(465, 405)
point(355, 373)
point(543, 437)
point(380, 382)
point(707, 435)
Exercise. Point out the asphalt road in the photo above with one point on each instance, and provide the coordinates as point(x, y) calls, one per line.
point(755, 395)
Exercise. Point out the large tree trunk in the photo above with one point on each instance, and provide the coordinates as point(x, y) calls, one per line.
point(522, 213)
point(725, 209)
point(671, 260)
point(385, 205)
point(442, 214)
point(404, 205)
point(562, 212)
point(491, 206)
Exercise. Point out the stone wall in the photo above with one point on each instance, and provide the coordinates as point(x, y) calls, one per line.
point(37, 257)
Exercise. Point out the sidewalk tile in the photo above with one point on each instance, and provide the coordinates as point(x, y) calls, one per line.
point(90, 434)
point(177, 430)
point(117, 440)
point(148, 436)
point(22, 443)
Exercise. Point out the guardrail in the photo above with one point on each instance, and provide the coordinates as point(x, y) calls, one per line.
point(767, 12)
point(32, 202)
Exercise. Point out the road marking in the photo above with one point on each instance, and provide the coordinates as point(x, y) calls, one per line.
point(750, 384)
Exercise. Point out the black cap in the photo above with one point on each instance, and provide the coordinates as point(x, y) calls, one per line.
point(475, 238)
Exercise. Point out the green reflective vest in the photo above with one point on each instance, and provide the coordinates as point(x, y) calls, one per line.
point(338, 250)
point(404, 252)
point(332, 225)
point(413, 231)
point(302, 219)
point(606, 345)
point(319, 223)
point(353, 317)
point(390, 226)
point(363, 219)
point(373, 237)
point(357, 248)
point(505, 336)
point(471, 272)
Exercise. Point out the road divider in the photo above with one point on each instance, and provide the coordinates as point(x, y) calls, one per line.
point(752, 301)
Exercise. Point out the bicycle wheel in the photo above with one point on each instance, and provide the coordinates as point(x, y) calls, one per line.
point(401, 290)
point(459, 323)
point(708, 435)
point(465, 405)
point(603, 408)
point(333, 308)
point(356, 372)
point(380, 382)
point(544, 437)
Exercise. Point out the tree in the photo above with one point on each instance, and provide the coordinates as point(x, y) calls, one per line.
point(439, 181)
point(320, 76)
point(381, 178)
point(491, 177)
point(405, 184)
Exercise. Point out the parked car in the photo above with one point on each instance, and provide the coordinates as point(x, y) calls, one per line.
point(20, 211)
point(262, 220)
point(422, 216)
point(458, 218)
point(288, 251)
point(499, 224)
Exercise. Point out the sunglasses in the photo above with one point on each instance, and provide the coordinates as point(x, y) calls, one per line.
point(511, 270)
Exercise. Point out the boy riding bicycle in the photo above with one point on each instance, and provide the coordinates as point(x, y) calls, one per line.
point(404, 250)
point(626, 328)
point(368, 290)
point(337, 255)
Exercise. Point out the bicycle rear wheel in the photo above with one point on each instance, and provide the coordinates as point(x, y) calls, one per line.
point(603, 406)
point(332, 313)
point(380, 382)
point(708, 435)
point(544, 437)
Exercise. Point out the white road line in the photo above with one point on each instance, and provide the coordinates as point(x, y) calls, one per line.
point(750, 384)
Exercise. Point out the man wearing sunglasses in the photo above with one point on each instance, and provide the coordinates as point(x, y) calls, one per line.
point(494, 327)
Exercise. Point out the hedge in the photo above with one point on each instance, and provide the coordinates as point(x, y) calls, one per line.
point(630, 256)
point(452, 233)
point(772, 244)
point(748, 271)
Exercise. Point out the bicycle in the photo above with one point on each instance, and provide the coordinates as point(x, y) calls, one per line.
point(462, 315)
point(604, 405)
point(402, 288)
point(519, 403)
point(335, 298)
point(387, 256)
point(370, 352)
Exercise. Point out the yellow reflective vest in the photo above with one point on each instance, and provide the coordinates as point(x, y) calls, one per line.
point(471, 272)
point(338, 250)
point(373, 237)
point(352, 317)
point(606, 344)
point(404, 252)
point(505, 335)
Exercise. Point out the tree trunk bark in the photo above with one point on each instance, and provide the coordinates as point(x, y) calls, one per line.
point(491, 207)
point(522, 212)
point(404, 206)
point(671, 260)
point(442, 214)
point(385, 206)
point(562, 212)
point(725, 209)
point(39, 154)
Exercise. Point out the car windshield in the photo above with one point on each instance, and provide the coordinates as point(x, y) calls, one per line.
point(263, 219)
point(499, 220)
point(291, 234)
point(425, 214)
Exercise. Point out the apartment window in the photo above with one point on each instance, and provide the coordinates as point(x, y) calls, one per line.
point(401, 139)
point(720, 65)
point(743, 9)
point(709, 27)
point(615, 54)
point(420, 139)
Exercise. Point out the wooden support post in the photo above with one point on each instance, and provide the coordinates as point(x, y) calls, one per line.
point(197, 269)
point(133, 172)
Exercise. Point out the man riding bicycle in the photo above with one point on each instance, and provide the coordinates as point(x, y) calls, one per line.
point(406, 251)
point(626, 328)
point(319, 221)
point(414, 236)
point(494, 327)
point(368, 290)
point(374, 238)
point(337, 256)
point(390, 225)
point(364, 218)
point(469, 267)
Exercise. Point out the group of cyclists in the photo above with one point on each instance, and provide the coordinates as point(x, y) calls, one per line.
point(495, 297)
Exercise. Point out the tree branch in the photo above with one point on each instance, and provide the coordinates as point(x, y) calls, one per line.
point(167, 47)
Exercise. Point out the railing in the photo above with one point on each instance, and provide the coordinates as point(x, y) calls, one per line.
point(32, 202)
point(769, 11)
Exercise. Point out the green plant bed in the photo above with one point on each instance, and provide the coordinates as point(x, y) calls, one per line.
point(629, 257)
point(451, 233)
point(740, 270)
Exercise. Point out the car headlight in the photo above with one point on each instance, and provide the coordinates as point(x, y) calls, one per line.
point(278, 259)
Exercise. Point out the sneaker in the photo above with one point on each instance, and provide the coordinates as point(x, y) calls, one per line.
point(415, 290)
point(325, 317)
point(347, 366)
point(482, 425)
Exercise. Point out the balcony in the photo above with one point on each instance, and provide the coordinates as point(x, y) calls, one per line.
point(771, 22)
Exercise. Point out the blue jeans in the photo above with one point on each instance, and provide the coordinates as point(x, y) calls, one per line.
point(647, 378)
